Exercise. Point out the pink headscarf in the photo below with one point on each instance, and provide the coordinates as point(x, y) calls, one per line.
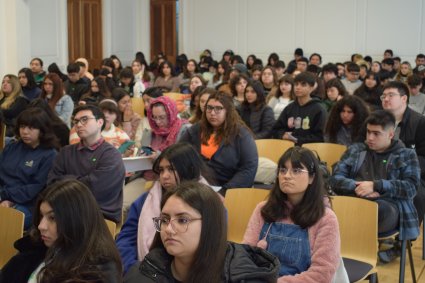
point(174, 123)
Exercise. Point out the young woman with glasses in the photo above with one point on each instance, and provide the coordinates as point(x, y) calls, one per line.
point(225, 143)
point(175, 164)
point(191, 245)
point(296, 223)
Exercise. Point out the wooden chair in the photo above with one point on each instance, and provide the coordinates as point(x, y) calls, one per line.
point(358, 229)
point(2, 136)
point(272, 149)
point(138, 106)
point(240, 203)
point(112, 227)
point(11, 229)
point(329, 152)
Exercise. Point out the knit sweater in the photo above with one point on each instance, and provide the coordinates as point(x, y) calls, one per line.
point(324, 246)
point(101, 169)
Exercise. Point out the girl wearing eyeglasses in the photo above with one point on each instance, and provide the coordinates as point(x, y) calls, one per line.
point(296, 224)
point(175, 164)
point(191, 245)
point(69, 241)
point(225, 143)
point(166, 127)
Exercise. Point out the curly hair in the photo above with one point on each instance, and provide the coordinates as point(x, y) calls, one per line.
point(360, 110)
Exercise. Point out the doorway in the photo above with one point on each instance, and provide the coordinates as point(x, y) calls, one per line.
point(85, 31)
point(163, 28)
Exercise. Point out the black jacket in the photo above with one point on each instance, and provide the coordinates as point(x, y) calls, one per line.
point(243, 263)
point(259, 121)
point(21, 266)
point(412, 134)
point(234, 165)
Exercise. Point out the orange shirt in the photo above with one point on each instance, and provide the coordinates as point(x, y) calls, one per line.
point(209, 150)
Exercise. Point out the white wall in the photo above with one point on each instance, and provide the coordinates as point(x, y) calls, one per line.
point(126, 28)
point(334, 28)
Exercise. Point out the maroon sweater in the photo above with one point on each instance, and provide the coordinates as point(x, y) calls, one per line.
point(101, 169)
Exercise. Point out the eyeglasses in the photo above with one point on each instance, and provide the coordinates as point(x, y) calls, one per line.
point(83, 120)
point(293, 171)
point(159, 118)
point(389, 95)
point(217, 109)
point(179, 224)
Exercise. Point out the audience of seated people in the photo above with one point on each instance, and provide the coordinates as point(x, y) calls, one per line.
point(269, 101)
point(179, 162)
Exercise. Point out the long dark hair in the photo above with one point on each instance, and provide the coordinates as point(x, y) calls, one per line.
point(198, 112)
point(312, 207)
point(258, 88)
point(334, 123)
point(38, 119)
point(288, 79)
point(231, 126)
point(83, 242)
point(30, 78)
point(208, 260)
point(58, 89)
point(226, 73)
point(185, 160)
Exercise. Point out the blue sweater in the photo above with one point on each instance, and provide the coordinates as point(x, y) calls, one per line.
point(23, 172)
point(127, 238)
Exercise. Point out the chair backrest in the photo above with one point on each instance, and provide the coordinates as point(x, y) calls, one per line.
point(112, 227)
point(11, 229)
point(179, 98)
point(240, 203)
point(272, 149)
point(2, 136)
point(358, 228)
point(329, 152)
point(138, 105)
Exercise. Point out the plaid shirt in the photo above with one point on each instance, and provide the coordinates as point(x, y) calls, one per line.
point(401, 183)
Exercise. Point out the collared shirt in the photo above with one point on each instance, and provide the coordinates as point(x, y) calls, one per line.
point(92, 147)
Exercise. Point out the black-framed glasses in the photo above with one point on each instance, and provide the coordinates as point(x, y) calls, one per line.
point(293, 171)
point(217, 109)
point(83, 120)
point(178, 224)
